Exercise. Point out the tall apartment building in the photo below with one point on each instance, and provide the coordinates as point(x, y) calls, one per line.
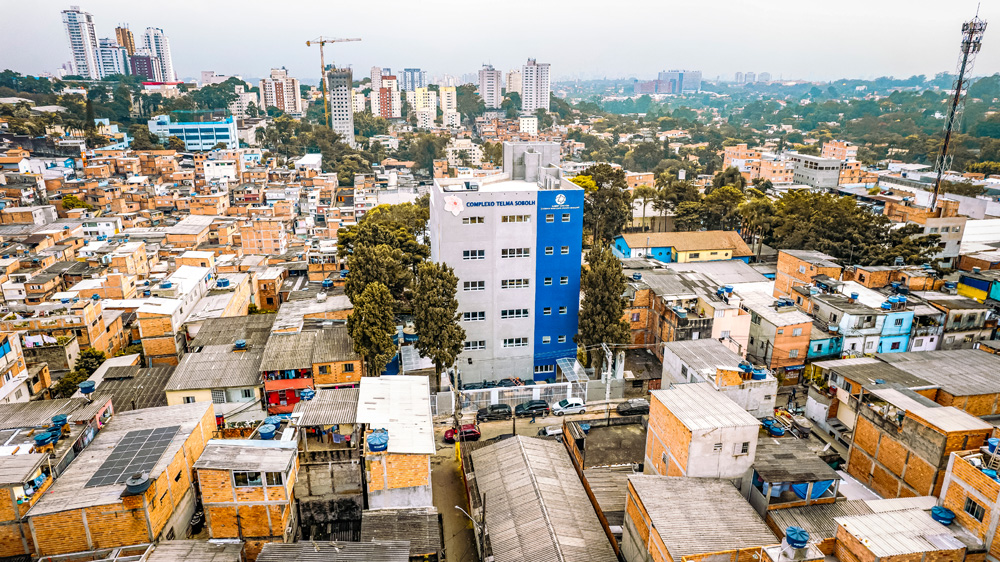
point(413, 78)
point(448, 97)
point(112, 58)
point(750, 77)
point(282, 91)
point(489, 86)
point(82, 43)
point(678, 81)
point(340, 90)
point(147, 66)
point(425, 105)
point(514, 81)
point(386, 101)
point(840, 149)
point(514, 241)
point(124, 37)
point(241, 104)
point(158, 45)
point(535, 86)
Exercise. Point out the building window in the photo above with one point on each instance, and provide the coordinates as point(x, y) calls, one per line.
point(474, 344)
point(802, 269)
point(743, 448)
point(515, 342)
point(564, 280)
point(473, 220)
point(635, 316)
point(545, 369)
point(819, 347)
point(547, 311)
point(348, 368)
point(793, 353)
point(515, 253)
point(275, 478)
point(562, 339)
point(565, 217)
point(546, 339)
point(473, 254)
point(562, 310)
point(548, 250)
point(474, 286)
point(564, 250)
point(725, 334)
point(974, 509)
point(514, 313)
point(550, 218)
point(894, 346)
point(898, 322)
point(247, 393)
point(694, 255)
point(796, 331)
point(548, 281)
point(717, 447)
point(247, 479)
point(324, 369)
point(515, 218)
point(189, 399)
point(474, 316)
point(515, 283)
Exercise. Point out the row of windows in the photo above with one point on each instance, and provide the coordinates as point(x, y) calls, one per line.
point(473, 220)
point(563, 250)
point(511, 253)
point(547, 311)
point(541, 369)
point(514, 313)
point(552, 218)
point(515, 283)
point(515, 218)
point(515, 342)
point(515, 253)
point(254, 479)
point(473, 316)
point(511, 283)
point(474, 285)
point(504, 218)
point(548, 339)
point(473, 254)
point(474, 344)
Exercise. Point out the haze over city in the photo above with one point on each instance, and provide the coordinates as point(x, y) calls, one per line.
point(581, 39)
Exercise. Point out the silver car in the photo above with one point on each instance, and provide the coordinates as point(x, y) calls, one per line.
point(569, 406)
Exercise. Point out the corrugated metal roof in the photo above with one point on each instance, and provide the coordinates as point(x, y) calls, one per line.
point(333, 343)
point(899, 504)
point(401, 405)
point(686, 513)
point(959, 372)
point(420, 526)
point(217, 366)
point(311, 551)
point(790, 460)
point(946, 418)
point(17, 469)
point(817, 519)
point(610, 487)
point(39, 412)
point(536, 507)
point(289, 351)
point(896, 533)
point(133, 388)
point(196, 551)
point(262, 456)
point(254, 329)
point(700, 407)
point(330, 406)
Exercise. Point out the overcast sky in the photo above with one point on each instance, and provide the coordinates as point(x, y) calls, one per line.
point(806, 39)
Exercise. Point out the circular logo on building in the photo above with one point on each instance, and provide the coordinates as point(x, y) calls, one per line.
point(560, 199)
point(453, 205)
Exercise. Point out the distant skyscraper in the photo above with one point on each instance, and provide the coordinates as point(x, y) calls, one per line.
point(144, 65)
point(125, 39)
point(535, 86)
point(112, 57)
point(413, 78)
point(765, 76)
point(340, 91)
point(489, 86)
point(158, 45)
point(740, 78)
point(514, 81)
point(281, 91)
point(751, 77)
point(677, 81)
point(82, 43)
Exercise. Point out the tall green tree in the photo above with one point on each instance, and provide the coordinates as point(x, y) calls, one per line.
point(602, 313)
point(607, 205)
point(643, 195)
point(371, 325)
point(729, 176)
point(380, 264)
point(435, 314)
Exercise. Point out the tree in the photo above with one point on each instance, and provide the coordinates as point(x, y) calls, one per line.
point(468, 102)
point(644, 194)
point(720, 208)
point(221, 145)
point(602, 313)
point(435, 314)
point(687, 216)
point(87, 362)
point(74, 202)
point(371, 325)
point(463, 158)
point(368, 125)
point(380, 264)
point(729, 176)
point(176, 143)
point(607, 205)
point(142, 139)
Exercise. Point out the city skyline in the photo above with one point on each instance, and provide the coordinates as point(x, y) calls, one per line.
point(835, 44)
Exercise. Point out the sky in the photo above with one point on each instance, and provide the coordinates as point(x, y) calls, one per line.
point(581, 39)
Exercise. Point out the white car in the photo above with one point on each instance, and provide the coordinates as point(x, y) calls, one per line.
point(569, 406)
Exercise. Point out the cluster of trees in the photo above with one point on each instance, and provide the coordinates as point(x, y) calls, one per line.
point(86, 363)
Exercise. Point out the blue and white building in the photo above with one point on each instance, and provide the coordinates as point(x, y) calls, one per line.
point(515, 243)
point(196, 136)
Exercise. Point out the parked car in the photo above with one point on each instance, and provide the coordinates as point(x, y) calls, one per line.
point(550, 431)
point(468, 432)
point(507, 382)
point(569, 406)
point(472, 386)
point(494, 412)
point(532, 407)
point(634, 407)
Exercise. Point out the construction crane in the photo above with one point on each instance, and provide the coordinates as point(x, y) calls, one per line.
point(972, 40)
point(321, 41)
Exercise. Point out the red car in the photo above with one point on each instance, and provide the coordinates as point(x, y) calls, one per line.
point(469, 432)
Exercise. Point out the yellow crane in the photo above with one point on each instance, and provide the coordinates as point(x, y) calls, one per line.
point(321, 41)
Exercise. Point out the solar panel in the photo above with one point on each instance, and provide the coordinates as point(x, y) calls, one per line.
point(138, 451)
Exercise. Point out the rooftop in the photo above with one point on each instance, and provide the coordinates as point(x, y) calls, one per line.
point(19, 468)
point(253, 328)
point(291, 315)
point(818, 519)
point(135, 388)
point(690, 241)
point(420, 526)
point(700, 503)
point(217, 366)
point(336, 551)
point(301, 350)
point(402, 406)
point(196, 551)
point(813, 257)
point(959, 372)
point(700, 407)
point(247, 454)
point(762, 304)
point(790, 460)
point(945, 418)
point(330, 406)
point(897, 533)
point(536, 507)
point(704, 355)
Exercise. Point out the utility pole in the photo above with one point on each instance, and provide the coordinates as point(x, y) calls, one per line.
point(482, 531)
point(972, 41)
point(321, 41)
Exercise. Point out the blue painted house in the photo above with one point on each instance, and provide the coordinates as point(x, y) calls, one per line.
point(683, 247)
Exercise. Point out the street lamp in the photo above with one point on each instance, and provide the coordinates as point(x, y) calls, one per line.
point(480, 528)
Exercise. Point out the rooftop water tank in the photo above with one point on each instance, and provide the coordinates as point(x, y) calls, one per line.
point(378, 441)
point(307, 394)
point(797, 537)
point(222, 283)
point(328, 283)
point(887, 306)
point(267, 431)
point(137, 483)
point(992, 443)
point(776, 430)
point(758, 375)
point(950, 285)
point(942, 515)
point(637, 276)
point(42, 439)
point(728, 288)
point(166, 285)
point(240, 344)
point(59, 420)
point(273, 420)
point(87, 387)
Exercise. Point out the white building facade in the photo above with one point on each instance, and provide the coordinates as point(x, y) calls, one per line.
point(83, 45)
point(490, 83)
point(535, 86)
point(158, 45)
point(282, 91)
point(341, 93)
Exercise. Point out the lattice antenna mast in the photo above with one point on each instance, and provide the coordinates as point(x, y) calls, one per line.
point(972, 39)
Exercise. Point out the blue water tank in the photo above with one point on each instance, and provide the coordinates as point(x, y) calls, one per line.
point(854, 296)
point(768, 421)
point(166, 285)
point(758, 374)
point(328, 283)
point(307, 394)
point(942, 515)
point(59, 420)
point(728, 288)
point(240, 344)
point(797, 537)
point(951, 285)
point(776, 430)
point(222, 283)
point(886, 306)
point(992, 442)
point(637, 276)
point(64, 301)
point(267, 431)
point(273, 420)
point(989, 472)
point(87, 387)
point(42, 439)
point(378, 441)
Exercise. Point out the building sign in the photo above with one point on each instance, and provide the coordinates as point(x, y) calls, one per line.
point(499, 203)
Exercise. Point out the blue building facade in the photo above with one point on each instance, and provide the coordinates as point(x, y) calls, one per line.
point(896, 326)
point(196, 136)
